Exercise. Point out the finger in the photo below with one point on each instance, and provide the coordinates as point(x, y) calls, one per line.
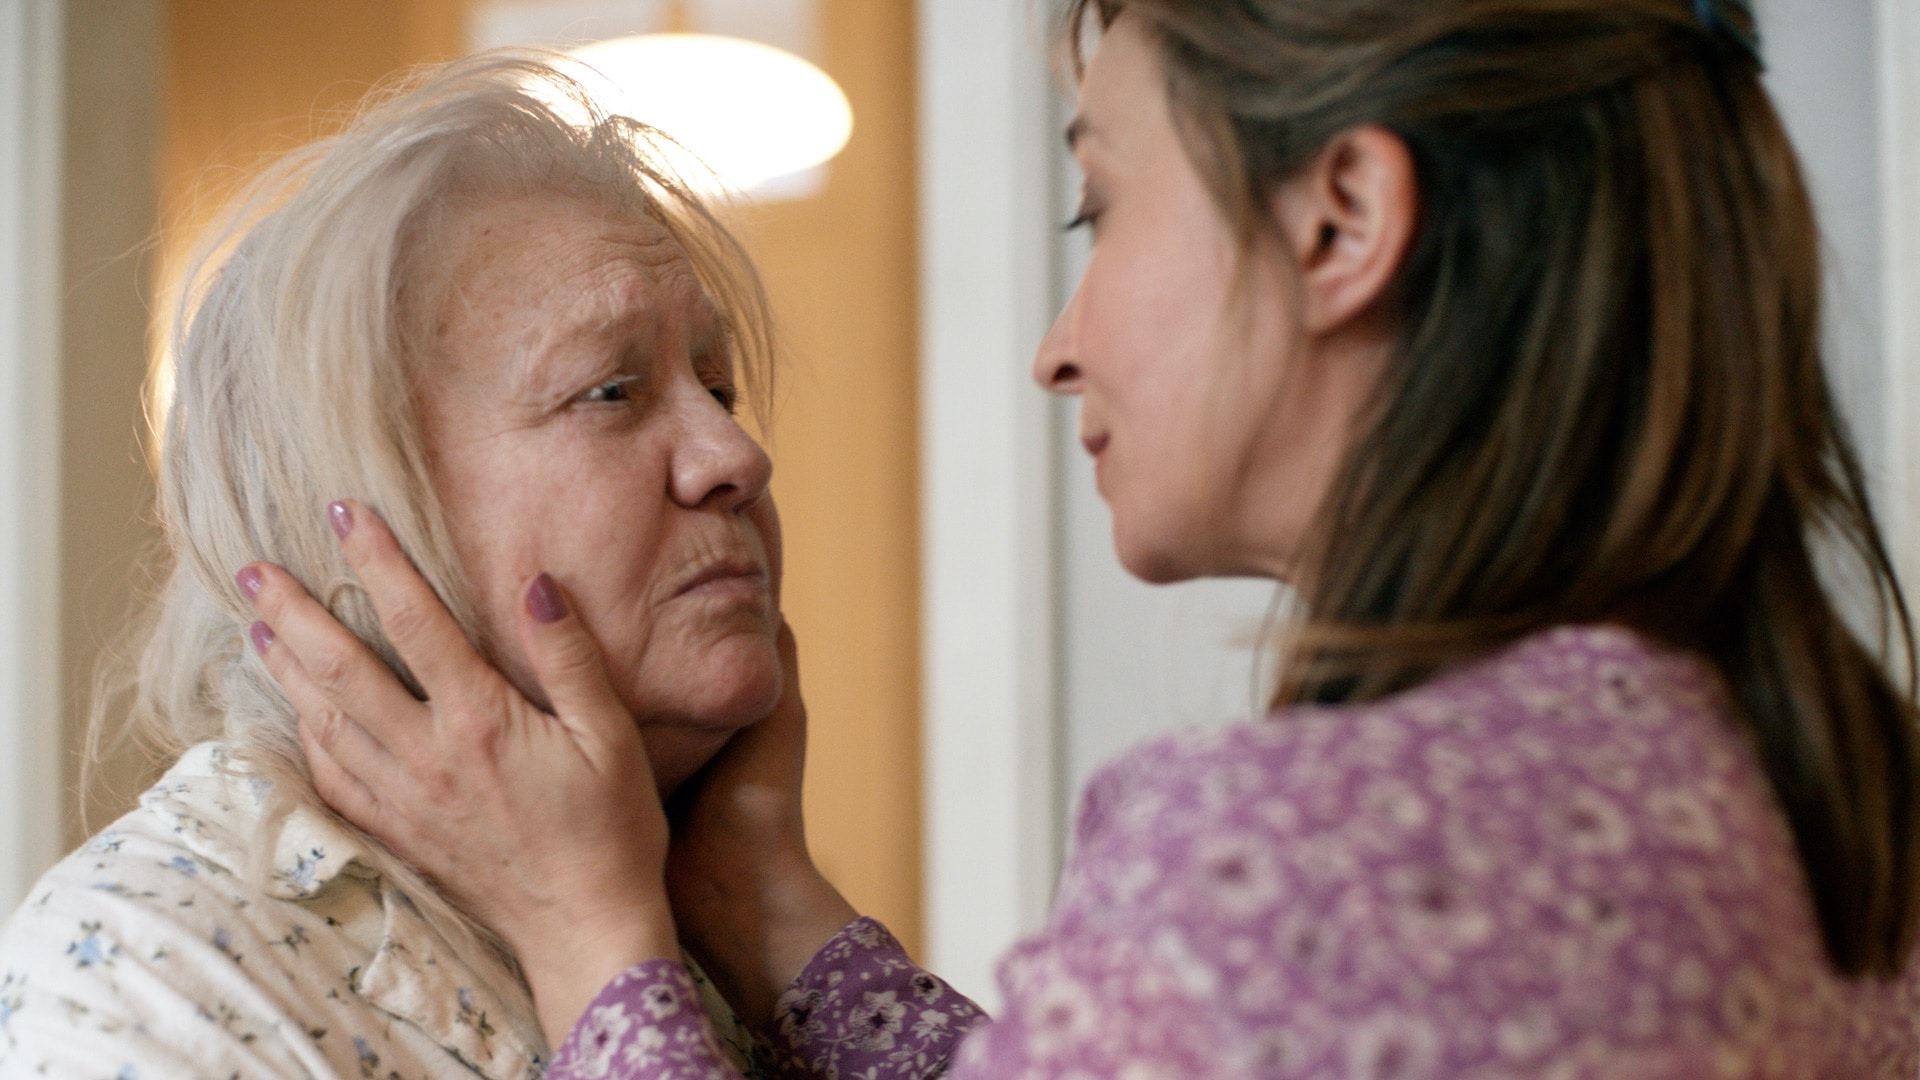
point(333, 667)
point(347, 741)
point(339, 788)
point(568, 662)
point(766, 514)
point(342, 756)
point(792, 706)
point(789, 646)
point(411, 614)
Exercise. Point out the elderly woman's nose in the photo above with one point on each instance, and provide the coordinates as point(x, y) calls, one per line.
point(717, 464)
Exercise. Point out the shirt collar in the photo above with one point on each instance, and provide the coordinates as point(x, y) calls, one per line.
point(413, 974)
point(414, 977)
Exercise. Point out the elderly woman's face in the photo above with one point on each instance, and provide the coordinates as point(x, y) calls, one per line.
point(577, 401)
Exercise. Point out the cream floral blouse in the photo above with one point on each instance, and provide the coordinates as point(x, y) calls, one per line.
point(147, 955)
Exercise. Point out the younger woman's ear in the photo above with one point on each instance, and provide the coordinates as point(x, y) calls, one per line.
point(1349, 218)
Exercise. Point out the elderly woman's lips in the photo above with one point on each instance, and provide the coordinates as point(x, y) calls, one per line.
point(726, 575)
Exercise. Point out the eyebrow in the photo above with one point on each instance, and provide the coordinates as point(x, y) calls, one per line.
point(561, 358)
point(566, 352)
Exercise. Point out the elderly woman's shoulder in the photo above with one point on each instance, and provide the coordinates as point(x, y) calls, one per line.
point(192, 839)
point(151, 950)
point(179, 852)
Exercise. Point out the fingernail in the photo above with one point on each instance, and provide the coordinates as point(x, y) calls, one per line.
point(250, 581)
point(262, 635)
point(342, 519)
point(544, 600)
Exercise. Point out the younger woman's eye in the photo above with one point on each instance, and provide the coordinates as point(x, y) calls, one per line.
point(1087, 214)
point(613, 390)
point(727, 395)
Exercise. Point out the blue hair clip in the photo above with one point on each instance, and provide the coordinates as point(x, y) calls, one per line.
point(1742, 33)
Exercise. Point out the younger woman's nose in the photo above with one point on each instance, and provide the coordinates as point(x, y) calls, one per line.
point(1056, 365)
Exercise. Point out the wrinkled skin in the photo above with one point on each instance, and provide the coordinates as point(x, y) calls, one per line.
point(576, 395)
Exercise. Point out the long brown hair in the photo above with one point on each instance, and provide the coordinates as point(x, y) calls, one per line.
point(1609, 402)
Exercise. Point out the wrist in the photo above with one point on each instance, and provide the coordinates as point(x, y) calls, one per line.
point(807, 914)
point(754, 941)
point(570, 962)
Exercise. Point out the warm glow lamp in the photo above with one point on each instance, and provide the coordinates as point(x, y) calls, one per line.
point(751, 112)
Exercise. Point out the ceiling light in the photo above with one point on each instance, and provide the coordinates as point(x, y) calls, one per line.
point(752, 113)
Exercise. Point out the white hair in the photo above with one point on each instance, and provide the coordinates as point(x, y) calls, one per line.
point(291, 344)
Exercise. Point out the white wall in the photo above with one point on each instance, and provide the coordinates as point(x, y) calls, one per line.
point(30, 683)
point(1821, 72)
point(1898, 31)
point(1846, 76)
point(992, 784)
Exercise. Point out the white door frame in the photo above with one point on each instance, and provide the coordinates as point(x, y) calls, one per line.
point(1898, 31)
point(31, 149)
point(989, 625)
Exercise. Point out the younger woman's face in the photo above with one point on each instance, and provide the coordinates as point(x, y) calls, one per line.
point(1214, 433)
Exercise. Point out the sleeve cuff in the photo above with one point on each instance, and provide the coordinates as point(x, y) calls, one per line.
point(648, 1022)
point(862, 1005)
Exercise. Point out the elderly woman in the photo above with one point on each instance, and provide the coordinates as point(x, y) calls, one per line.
point(516, 334)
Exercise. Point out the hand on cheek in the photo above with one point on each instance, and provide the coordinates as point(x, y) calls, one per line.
point(546, 825)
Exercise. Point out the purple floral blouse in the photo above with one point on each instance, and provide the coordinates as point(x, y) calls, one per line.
point(1563, 861)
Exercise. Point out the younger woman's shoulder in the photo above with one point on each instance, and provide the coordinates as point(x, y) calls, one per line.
point(1579, 755)
point(1568, 842)
point(1596, 703)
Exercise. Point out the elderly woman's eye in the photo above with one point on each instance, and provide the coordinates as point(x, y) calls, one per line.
point(726, 395)
point(614, 390)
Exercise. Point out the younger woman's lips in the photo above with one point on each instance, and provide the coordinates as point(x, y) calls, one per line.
point(1094, 444)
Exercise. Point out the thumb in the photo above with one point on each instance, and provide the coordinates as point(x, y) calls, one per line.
point(568, 662)
point(791, 710)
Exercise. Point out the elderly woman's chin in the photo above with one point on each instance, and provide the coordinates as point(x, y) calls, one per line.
point(733, 685)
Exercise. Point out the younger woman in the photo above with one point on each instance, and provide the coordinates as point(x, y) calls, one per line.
point(1492, 326)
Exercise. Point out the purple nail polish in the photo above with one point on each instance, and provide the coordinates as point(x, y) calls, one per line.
point(250, 581)
point(544, 600)
point(262, 635)
point(342, 519)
